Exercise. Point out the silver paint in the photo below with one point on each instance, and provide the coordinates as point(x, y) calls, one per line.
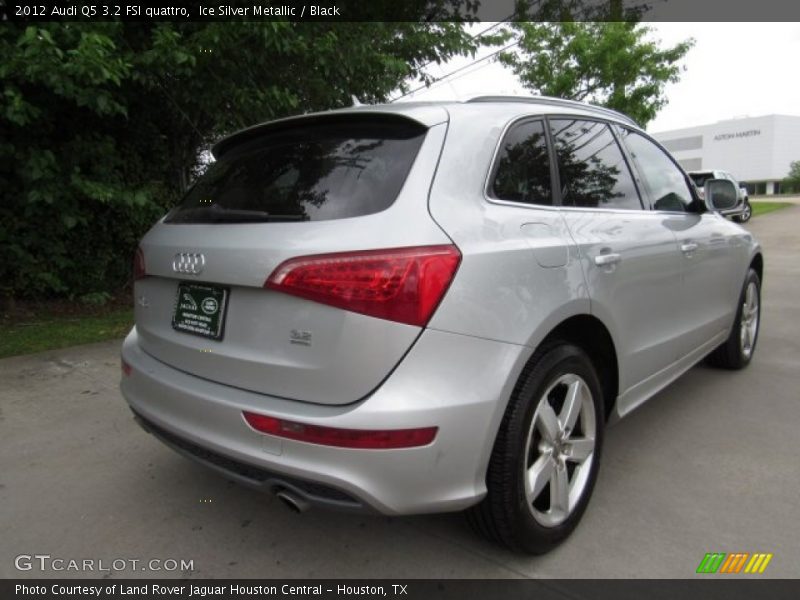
point(665, 286)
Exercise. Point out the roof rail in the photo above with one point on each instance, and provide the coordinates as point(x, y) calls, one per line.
point(550, 101)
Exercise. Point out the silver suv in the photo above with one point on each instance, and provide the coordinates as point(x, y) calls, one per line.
point(432, 307)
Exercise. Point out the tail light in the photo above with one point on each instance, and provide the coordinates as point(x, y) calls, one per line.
point(126, 368)
point(366, 439)
point(398, 284)
point(139, 269)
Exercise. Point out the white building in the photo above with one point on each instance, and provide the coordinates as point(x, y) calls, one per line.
point(757, 150)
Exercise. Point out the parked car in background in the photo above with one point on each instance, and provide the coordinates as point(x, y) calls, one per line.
point(747, 209)
point(429, 307)
point(743, 211)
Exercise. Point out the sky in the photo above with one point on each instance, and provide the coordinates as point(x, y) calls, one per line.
point(734, 70)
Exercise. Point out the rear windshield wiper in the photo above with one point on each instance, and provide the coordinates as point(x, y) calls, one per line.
point(256, 215)
point(215, 214)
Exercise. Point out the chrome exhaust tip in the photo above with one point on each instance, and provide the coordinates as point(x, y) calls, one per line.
point(292, 501)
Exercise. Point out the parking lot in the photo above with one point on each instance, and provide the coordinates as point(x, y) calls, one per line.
point(706, 466)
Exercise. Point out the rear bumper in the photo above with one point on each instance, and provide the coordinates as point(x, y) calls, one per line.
point(458, 383)
point(251, 475)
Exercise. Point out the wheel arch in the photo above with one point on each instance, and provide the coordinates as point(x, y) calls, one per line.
point(757, 264)
point(492, 517)
point(592, 336)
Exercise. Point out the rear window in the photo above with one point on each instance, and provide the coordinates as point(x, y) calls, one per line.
point(315, 172)
point(522, 173)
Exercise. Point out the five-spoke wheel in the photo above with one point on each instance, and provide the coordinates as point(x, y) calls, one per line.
point(748, 326)
point(737, 350)
point(559, 450)
point(547, 452)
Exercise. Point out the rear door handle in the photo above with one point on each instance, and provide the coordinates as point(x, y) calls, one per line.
point(688, 247)
point(603, 260)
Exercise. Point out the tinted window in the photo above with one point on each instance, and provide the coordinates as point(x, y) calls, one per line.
point(522, 173)
point(668, 188)
point(307, 174)
point(591, 167)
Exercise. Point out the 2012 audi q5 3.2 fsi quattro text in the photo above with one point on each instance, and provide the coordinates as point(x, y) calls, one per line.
point(430, 307)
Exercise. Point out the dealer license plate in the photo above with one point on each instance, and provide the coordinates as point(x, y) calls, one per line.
point(200, 310)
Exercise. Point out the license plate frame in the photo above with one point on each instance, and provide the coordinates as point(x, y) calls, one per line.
point(200, 309)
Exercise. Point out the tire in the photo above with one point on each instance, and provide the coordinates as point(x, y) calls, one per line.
point(535, 518)
point(737, 351)
point(747, 212)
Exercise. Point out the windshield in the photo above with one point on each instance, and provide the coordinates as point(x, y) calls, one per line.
point(310, 173)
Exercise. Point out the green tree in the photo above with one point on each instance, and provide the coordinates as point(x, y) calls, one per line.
point(792, 181)
point(613, 64)
point(102, 124)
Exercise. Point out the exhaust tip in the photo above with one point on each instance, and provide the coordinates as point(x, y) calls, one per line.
point(292, 501)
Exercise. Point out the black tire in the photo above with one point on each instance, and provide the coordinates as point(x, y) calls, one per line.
point(504, 515)
point(732, 353)
point(746, 214)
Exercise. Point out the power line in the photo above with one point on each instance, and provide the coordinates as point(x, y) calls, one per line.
point(476, 36)
point(488, 29)
point(451, 73)
point(459, 76)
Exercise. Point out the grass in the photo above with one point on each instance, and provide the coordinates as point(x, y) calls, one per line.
point(44, 333)
point(760, 208)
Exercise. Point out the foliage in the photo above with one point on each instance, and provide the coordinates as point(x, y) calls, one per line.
point(792, 181)
point(613, 64)
point(102, 125)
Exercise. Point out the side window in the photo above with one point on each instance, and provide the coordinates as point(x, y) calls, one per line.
point(664, 180)
point(522, 171)
point(592, 170)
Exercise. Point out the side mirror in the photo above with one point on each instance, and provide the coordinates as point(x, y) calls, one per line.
point(720, 194)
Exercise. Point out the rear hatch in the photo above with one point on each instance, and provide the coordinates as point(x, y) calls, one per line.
point(354, 185)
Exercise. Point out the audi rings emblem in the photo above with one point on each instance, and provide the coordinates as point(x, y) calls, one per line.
point(191, 263)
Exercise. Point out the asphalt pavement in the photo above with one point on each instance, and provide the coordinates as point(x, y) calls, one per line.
point(705, 466)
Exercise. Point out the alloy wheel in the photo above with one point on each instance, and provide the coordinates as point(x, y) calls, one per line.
point(559, 450)
point(749, 320)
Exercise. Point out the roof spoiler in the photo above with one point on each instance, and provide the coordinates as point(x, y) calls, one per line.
point(364, 114)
